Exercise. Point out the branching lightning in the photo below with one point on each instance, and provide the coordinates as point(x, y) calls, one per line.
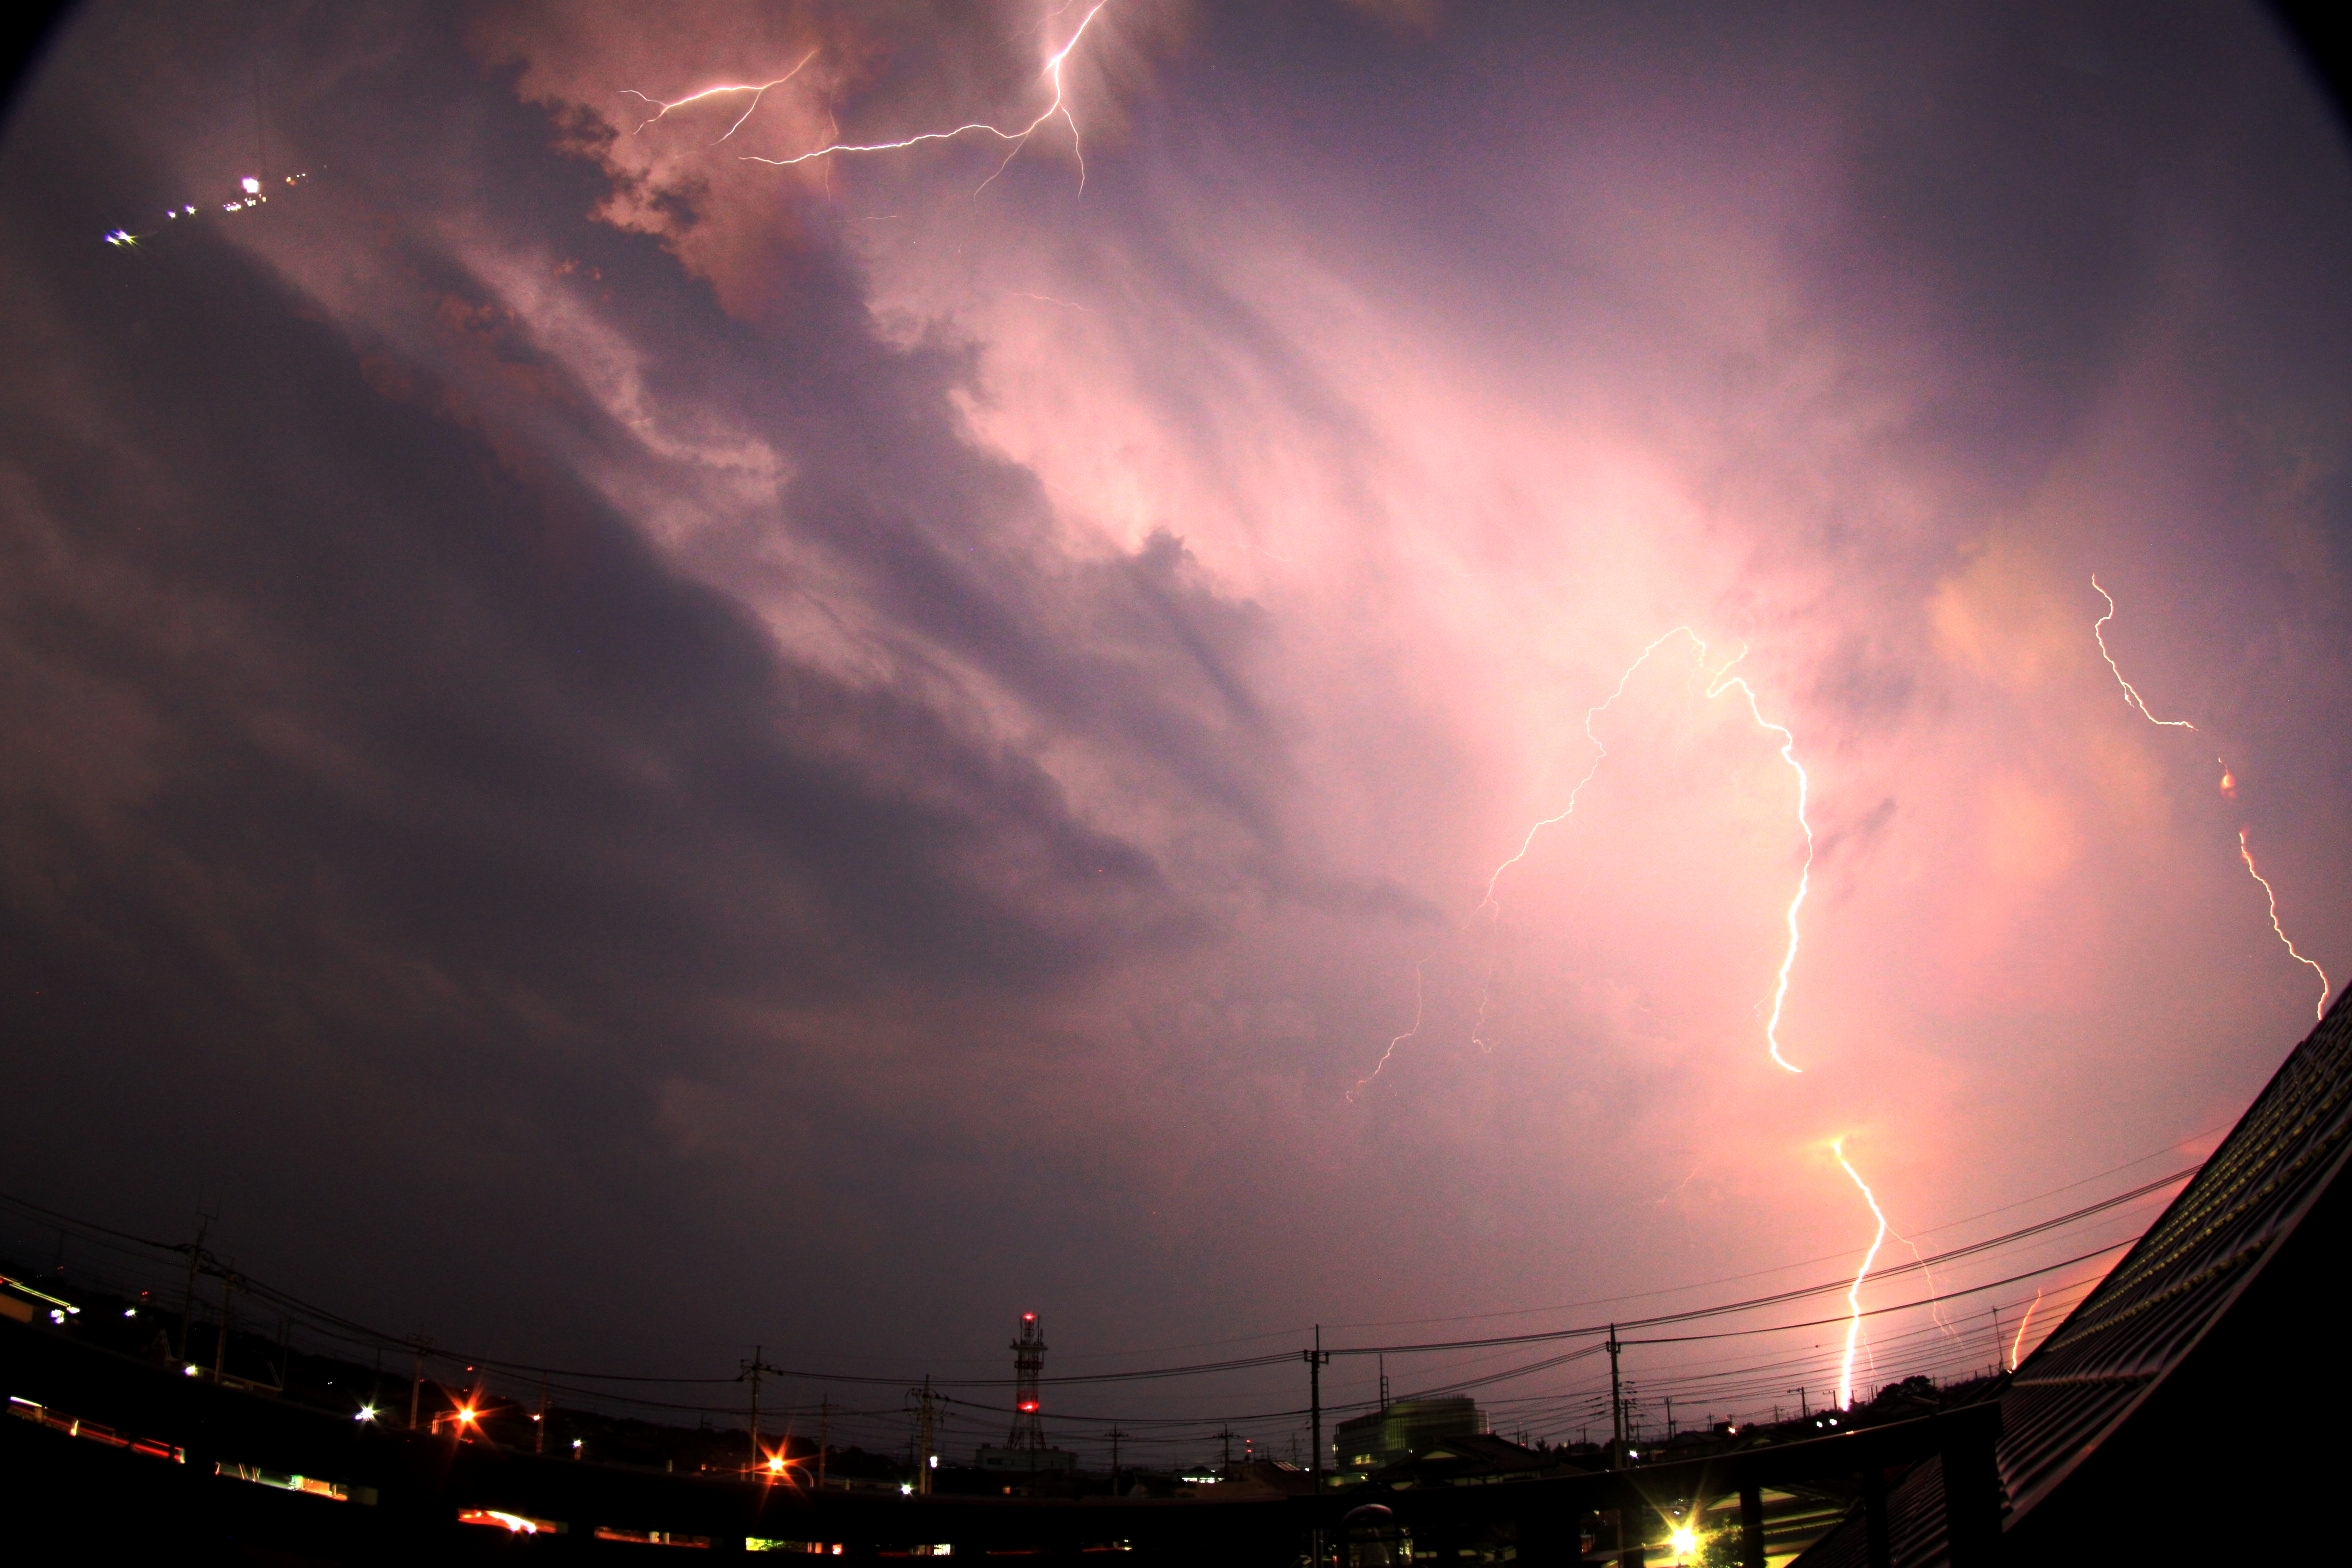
point(1719, 682)
point(2229, 788)
point(1057, 108)
point(758, 90)
point(1854, 1291)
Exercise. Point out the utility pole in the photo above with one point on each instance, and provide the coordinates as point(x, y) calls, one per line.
point(923, 1439)
point(539, 1443)
point(1384, 1382)
point(1225, 1438)
point(752, 1370)
point(1616, 1405)
point(1804, 1411)
point(416, 1381)
point(220, 1355)
point(196, 1255)
point(1317, 1359)
point(1670, 1418)
point(824, 1436)
point(2000, 1362)
point(1116, 1434)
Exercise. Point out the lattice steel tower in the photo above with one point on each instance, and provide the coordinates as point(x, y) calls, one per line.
point(1028, 1363)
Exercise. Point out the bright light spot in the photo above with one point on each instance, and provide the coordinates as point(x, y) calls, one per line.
point(1683, 1541)
point(188, 1371)
point(366, 1413)
point(465, 1413)
point(906, 1488)
point(56, 1315)
point(934, 1461)
point(130, 1312)
point(775, 1464)
point(252, 186)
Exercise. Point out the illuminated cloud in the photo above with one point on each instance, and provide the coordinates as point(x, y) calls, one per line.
point(886, 736)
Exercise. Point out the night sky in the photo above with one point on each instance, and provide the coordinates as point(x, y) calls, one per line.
point(615, 751)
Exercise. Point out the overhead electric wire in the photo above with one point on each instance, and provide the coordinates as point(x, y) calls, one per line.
point(332, 1321)
point(1782, 1268)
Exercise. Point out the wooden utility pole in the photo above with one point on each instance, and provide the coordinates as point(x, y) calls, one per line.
point(416, 1382)
point(196, 1255)
point(220, 1355)
point(1317, 1359)
point(923, 1440)
point(1616, 1405)
point(751, 1371)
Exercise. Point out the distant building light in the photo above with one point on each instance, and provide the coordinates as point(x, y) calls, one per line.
point(252, 186)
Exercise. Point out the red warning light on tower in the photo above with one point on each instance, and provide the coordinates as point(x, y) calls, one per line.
point(1028, 1365)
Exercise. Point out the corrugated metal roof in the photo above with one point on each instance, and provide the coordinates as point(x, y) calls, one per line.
point(2178, 1281)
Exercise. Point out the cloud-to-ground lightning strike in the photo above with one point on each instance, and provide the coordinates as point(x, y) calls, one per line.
point(2229, 788)
point(2017, 1345)
point(1720, 682)
point(1058, 108)
point(1854, 1291)
point(758, 90)
point(2246, 854)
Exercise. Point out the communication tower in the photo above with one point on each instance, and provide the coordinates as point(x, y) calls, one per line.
point(1028, 1363)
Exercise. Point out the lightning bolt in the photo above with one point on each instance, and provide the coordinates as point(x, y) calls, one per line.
point(2246, 854)
point(1854, 1291)
point(2017, 1346)
point(758, 90)
point(2131, 695)
point(1058, 108)
point(1720, 682)
point(1419, 966)
point(2229, 788)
